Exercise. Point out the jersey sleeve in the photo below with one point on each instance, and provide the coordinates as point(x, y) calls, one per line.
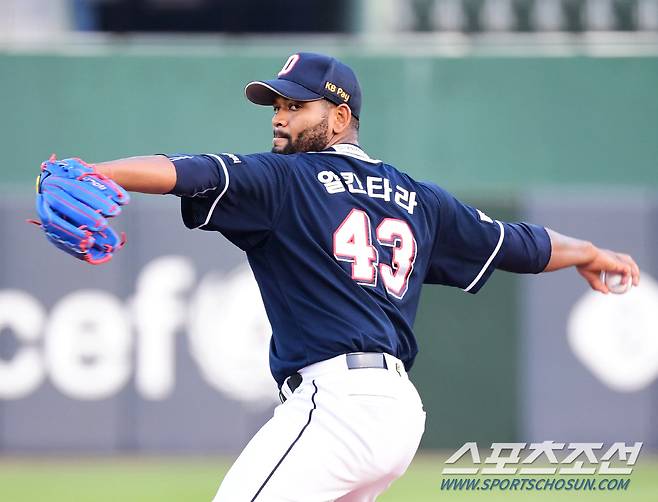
point(526, 249)
point(237, 195)
point(467, 244)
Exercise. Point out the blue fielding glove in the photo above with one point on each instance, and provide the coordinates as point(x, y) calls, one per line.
point(74, 202)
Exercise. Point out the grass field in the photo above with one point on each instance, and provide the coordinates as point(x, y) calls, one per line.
point(194, 479)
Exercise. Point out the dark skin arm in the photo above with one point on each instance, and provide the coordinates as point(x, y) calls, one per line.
point(149, 174)
point(590, 261)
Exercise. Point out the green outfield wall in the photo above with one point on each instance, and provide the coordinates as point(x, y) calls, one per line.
point(467, 369)
point(479, 123)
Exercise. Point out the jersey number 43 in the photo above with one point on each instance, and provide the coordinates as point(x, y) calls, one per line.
point(353, 243)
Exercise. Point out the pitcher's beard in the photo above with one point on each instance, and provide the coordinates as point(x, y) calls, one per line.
point(313, 139)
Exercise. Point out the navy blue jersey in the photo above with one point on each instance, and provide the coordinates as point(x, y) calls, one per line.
point(340, 245)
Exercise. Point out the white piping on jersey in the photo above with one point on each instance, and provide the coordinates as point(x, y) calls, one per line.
point(350, 151)
point(212, 208)
point(495, 252)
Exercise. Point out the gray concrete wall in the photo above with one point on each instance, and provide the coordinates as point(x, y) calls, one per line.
point(589, 361)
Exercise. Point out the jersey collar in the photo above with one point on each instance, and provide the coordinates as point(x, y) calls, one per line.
point(350, 150)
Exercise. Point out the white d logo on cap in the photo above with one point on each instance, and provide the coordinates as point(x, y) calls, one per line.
point(290, 64)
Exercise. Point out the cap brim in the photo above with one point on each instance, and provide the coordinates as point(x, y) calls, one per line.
point(264, 92)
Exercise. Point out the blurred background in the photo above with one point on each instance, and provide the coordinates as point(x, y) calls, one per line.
point(536, 110)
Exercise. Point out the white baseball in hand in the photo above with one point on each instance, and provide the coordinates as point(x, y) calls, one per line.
point(613, 281)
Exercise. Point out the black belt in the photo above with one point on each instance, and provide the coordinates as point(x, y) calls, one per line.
point(354, 360)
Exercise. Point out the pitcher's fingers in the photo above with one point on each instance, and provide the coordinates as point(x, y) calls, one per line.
point(595, 282)
point(635, 269)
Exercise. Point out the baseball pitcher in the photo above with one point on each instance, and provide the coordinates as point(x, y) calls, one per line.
point(340, 244)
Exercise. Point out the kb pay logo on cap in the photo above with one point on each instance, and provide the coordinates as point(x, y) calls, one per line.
point(338, 91)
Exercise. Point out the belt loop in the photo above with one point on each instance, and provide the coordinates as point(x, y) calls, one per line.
point(394, 364)
point(289, 386)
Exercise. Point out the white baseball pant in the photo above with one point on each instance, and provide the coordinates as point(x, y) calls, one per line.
point(344, 435)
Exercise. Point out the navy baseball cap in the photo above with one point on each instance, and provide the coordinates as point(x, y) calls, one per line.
point(307, 76)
